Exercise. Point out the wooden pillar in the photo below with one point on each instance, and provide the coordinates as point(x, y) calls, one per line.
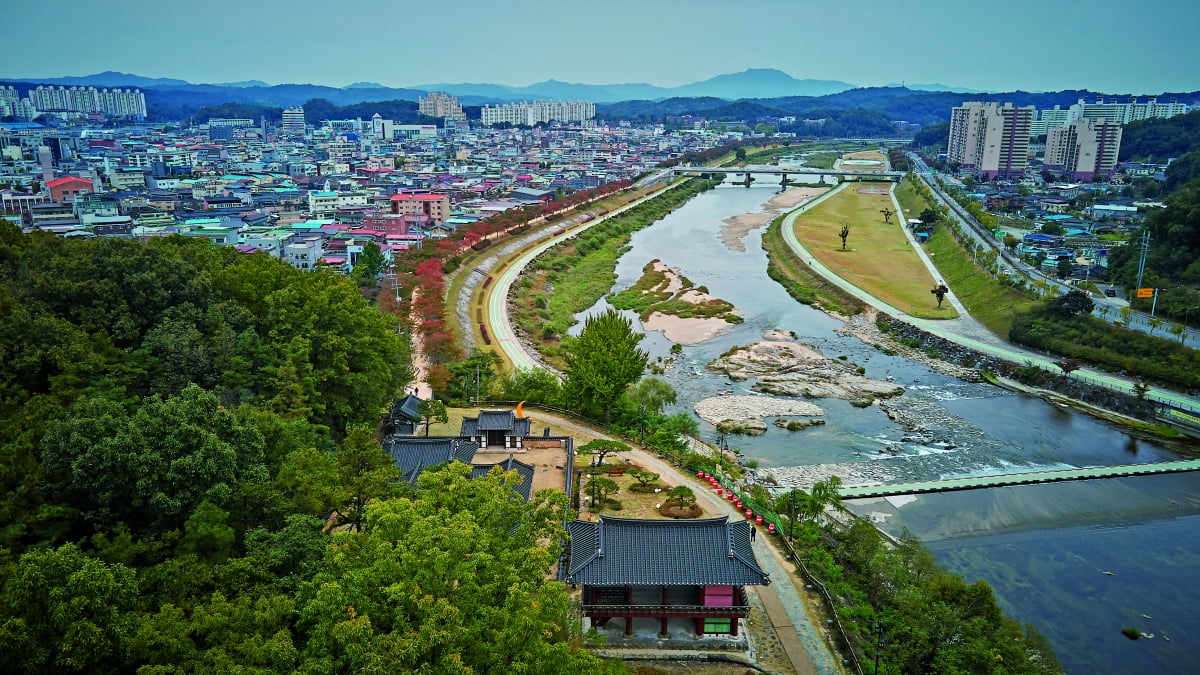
point(733, 626)
point(662, 630)
point(628, 619)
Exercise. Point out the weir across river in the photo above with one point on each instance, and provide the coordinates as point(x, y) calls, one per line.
point(1030, 478)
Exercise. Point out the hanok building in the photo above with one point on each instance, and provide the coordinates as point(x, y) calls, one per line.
point(413, 455)
point(404, 416)
point(694, 570)
point(496, 427)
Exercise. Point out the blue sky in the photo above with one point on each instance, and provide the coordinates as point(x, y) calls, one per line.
point(1142, 47)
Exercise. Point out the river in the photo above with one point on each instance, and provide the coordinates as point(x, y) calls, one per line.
point(1044, 549)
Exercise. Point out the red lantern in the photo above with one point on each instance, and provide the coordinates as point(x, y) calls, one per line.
point(758, 520)
point(771, 528)
point(749, 513)
point(699, 474)
point(720, 492)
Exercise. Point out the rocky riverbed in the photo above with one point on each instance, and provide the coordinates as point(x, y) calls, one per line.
point(788, 368)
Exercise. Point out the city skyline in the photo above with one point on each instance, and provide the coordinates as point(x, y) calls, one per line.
point(1101, 46)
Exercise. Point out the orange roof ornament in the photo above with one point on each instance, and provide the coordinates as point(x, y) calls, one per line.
point(518, 412)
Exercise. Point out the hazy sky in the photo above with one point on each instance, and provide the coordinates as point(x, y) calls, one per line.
point(1111, 46)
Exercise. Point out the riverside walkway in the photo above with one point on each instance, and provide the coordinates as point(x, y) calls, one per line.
point(965, 330)
point(1030, 478)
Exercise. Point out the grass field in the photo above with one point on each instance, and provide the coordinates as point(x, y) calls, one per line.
point(878, 257)
point(989, 302)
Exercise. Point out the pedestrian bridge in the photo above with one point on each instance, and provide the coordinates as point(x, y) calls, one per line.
point(1034, 477)
point(786, 171)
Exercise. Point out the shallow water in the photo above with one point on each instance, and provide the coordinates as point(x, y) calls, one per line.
point(1039, 546)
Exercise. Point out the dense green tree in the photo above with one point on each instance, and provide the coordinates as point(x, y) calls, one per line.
point(535, 385)
point(651, 394)
point(472, 378)
point(61, 611)
point(432, 410)
point(366, 471)
point(428, 586)
point(371, 262)
point(152, 469)
point(602, 362)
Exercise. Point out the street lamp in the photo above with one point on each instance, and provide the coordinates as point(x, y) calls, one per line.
point(1185, 314)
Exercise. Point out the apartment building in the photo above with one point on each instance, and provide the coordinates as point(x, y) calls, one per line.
point(1084, 149)
point(1131, 111)
point(1051, 118)
point(529, 114)
point(990, 139)
point(440, 104)
point(124, 102)
point(432, 206)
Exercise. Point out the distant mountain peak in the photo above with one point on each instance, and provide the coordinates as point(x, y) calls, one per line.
point(364, 85)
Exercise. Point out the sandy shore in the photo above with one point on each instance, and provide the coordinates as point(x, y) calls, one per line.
point(684, 331)
point(737, 227)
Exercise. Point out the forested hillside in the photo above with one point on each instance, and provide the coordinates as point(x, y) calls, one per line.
point(179, 421)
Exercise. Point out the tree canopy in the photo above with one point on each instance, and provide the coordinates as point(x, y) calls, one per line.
point(602, 362)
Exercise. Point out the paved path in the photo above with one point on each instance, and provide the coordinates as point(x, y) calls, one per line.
point(795, 628)
point(965, 330)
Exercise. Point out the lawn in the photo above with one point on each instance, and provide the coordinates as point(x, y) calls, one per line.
point(878, 257)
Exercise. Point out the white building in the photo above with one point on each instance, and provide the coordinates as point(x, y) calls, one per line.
point(529, 114)
point(125, 102)
point(293, 121)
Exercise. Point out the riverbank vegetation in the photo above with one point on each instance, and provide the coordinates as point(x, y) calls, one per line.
point(1064, 326)
point(891, 600)
point(654, 292)
point(904, 610)
point(987, 298)
point(575, 274)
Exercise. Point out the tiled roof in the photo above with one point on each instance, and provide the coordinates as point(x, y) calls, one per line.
point(525, 471)
point(414, 455)
point(625, 551)
point(407, 407)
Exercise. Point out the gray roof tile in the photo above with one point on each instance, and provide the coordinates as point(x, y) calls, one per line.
point(625, 551)
point(525, 471)
point(414, 455)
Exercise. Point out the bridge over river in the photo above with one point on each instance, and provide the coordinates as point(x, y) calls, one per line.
point(773, 170)
point(952, 484)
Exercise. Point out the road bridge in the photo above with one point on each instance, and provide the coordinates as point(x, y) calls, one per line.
point(774, 170)
point(1030, 478)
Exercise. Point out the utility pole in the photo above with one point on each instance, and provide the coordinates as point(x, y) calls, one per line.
point(1142, 260)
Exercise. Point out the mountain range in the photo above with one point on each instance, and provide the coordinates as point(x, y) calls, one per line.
point(752, 83)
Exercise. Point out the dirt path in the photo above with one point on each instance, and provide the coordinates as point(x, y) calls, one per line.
point(784, 600)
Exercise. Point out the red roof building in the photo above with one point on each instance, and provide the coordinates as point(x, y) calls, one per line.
point(65, 188)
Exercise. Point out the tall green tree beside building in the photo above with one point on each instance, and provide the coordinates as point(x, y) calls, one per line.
point(602, 362)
